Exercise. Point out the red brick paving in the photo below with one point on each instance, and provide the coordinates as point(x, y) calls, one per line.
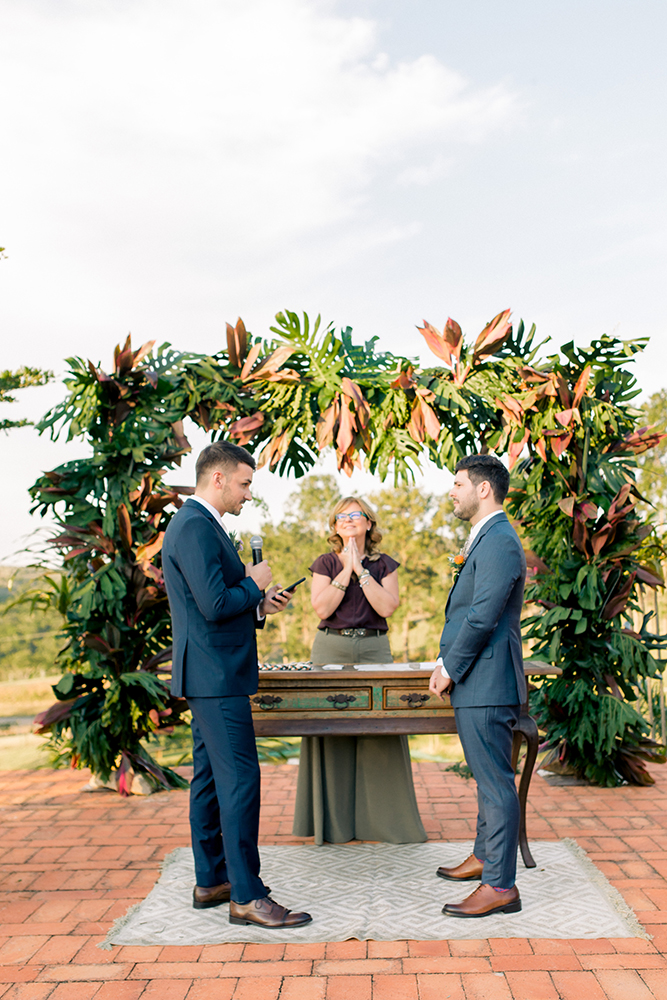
point(71, 862)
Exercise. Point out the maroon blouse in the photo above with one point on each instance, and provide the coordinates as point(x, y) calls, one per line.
point(354, 611)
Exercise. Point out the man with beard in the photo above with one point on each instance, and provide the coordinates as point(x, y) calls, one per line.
point(482, 670)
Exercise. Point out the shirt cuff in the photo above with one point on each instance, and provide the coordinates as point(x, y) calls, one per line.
point(444, 673)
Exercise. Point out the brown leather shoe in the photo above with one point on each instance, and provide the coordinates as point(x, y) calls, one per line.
point(468, 871)
point(484, 901)
point(215, 895)
point(265, 913)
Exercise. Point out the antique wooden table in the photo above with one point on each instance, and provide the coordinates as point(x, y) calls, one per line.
point(366, 699)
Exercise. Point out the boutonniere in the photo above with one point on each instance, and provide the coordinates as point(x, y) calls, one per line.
point(457, 563)
point(236, 542)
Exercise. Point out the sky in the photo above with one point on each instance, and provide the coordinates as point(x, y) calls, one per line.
point(169, 165)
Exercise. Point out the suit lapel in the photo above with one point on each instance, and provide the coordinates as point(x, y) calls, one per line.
point(221, 531)
point(478, 538)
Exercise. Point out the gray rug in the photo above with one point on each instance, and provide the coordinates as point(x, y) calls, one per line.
point(385, 892)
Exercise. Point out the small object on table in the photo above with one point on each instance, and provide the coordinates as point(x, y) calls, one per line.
point(299, 665)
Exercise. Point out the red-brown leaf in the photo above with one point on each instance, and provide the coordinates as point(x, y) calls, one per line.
point(246, 428)
point(493, 335)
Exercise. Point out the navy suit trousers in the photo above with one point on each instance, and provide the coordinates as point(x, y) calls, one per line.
point(225, 796)
point(486, 735)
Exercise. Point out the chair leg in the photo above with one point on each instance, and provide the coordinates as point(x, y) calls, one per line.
point(526, 728)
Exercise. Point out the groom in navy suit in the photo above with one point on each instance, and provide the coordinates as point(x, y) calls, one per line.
point(216, 605)
point(482, 670)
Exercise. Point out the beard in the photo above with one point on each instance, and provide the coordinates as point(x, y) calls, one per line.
point(467, 508)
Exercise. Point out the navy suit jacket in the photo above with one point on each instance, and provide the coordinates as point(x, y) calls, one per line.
point(213, 605)
point(481, 641)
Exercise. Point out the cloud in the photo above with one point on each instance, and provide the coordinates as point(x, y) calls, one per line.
point(188, 130)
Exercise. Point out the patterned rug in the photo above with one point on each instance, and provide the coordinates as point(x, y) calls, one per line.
point(385, 892)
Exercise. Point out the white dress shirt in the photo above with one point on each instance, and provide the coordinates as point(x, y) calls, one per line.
point(474, 531)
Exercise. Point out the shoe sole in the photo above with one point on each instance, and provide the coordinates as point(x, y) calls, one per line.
point(269, 927)
point(508, 908)
point(457, 878)
point(207, 904)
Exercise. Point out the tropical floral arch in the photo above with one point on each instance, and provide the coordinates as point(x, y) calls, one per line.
point(565, 420)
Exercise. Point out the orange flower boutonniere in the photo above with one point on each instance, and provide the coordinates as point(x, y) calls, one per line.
point(457, 563)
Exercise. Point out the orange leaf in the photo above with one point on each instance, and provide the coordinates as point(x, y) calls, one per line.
point(565, 416)
point(124, 527)
point(447, 347)
point(515, 448)
point(493, 335)
point(270, 364)
point(404, 380)
point(567, 505)
point(142, 352)
point(250, 360)
point(246, 428)
point(346, 429)
point(236, 342)
point(580, 385)
point(352, 390)
point(324, 430)
point(560, 443)
point(541, 448)
point(146, 552)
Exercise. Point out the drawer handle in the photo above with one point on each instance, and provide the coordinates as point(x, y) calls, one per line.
point(415, 699)
point(341, 700)
point(267, 701)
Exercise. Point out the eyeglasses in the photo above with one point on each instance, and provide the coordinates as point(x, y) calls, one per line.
point(352, 516)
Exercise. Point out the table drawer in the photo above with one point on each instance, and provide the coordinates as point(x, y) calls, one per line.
point(409, 699)
point(280, 699)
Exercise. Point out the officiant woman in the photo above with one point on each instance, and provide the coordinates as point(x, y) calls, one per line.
point(355, 787)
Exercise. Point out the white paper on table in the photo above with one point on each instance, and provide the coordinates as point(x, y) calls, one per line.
point(332, 666)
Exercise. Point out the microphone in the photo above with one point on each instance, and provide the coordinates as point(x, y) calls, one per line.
point(256, 543)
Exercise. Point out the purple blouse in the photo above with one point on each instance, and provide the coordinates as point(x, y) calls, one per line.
point(354, 611)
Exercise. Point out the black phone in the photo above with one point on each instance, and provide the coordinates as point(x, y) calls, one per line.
point(292, 586)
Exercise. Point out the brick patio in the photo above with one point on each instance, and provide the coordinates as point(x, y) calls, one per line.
point(72, 862)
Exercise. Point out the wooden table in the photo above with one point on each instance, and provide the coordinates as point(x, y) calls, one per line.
point(376, 699)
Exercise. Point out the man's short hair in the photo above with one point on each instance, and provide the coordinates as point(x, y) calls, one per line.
point(222, 456)
point(486, 468)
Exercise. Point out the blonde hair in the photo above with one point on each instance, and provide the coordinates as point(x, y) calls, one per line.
point(373, 535)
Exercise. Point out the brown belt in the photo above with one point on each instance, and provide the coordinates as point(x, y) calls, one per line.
point(354, 631)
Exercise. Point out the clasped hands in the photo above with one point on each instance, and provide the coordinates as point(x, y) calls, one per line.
point(274, 600)
point(351, 557)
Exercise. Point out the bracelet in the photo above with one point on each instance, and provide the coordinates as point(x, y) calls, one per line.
point(339, 586)
point(364, 580)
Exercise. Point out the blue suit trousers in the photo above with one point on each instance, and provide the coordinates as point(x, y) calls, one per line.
point(486, 735)
point(225, 796)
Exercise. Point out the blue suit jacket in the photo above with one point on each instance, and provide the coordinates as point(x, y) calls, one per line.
point(481, 641)
point(213, 606)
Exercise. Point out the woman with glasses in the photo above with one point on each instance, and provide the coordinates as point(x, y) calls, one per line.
point(355, 787)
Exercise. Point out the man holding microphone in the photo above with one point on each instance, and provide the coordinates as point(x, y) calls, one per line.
point(216, 605)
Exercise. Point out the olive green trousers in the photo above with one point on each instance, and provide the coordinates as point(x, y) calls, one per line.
point(356, 787)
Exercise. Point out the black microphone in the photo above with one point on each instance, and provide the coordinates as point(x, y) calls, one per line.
point(256, 543)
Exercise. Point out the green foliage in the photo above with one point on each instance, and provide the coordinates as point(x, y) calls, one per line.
point(29, 641)
point(19, 379)
point(574, 498)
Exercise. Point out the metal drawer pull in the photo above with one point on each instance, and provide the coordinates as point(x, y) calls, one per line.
point(415, 699)
point(267, 701)
point(341, 700)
